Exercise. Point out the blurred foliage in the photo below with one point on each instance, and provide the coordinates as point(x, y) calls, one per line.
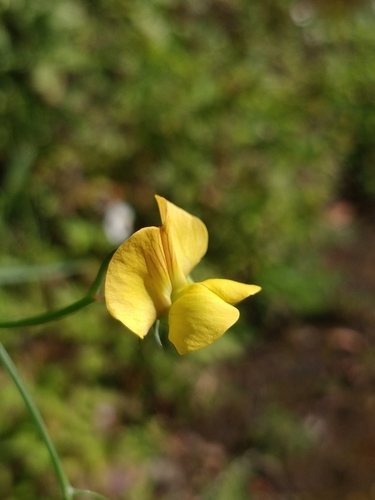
point(256, 116)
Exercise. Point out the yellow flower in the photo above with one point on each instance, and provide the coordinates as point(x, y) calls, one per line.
point(147, 278)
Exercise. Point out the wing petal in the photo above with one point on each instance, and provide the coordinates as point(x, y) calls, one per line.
point(230, 291)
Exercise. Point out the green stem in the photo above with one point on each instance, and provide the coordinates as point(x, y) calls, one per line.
point(66, 489)
point(48, 316)
point(76, 306)
point(68, 492)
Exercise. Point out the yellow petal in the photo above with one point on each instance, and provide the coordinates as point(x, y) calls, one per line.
point(230, 291)
point(198, 318)
point(137, 287)
point(185, 240)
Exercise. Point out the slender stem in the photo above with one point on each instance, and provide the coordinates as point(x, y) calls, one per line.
point(92, 494)
point(99, 277)
point(68, 492)
point(76, 306)
point(48, 316)
point(66, 489)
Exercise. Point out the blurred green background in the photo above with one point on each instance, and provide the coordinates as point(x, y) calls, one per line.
point(258, 117)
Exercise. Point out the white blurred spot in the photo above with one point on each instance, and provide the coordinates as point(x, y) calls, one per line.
point(317, 427)
point(118, 221)
point(302, 13)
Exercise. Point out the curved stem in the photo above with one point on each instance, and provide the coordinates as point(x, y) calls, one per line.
point(76, 306)
point(99, 277)
point(48, 316)
point(68, 492)
point(66, 488)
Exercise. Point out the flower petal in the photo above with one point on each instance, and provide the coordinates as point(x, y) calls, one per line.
point(185, 238)
point(230, 291)
point(137, 287)
point(198, 318)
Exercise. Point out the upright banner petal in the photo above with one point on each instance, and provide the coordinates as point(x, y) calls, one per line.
point(187, 234)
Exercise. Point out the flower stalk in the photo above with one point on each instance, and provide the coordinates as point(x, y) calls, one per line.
point(92, 296)
point(66, 488)
point(68, 492)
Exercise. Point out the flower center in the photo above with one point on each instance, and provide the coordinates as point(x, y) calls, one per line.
point(178, 292)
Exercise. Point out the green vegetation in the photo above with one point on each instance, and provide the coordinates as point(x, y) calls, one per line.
point(257, 116)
